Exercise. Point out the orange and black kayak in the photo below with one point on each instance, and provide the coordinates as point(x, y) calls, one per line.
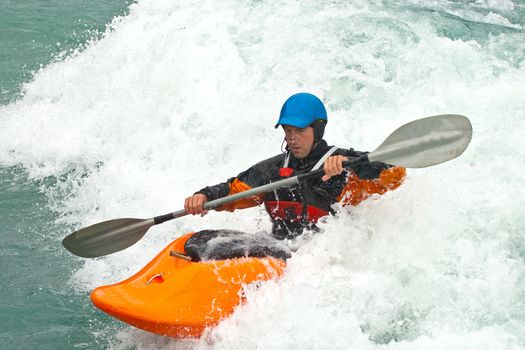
point(193, 283)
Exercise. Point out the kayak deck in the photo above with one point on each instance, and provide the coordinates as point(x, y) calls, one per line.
point(178, 298)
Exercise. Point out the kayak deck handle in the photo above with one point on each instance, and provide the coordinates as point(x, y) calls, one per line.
point(156, 278)
point(179, 255)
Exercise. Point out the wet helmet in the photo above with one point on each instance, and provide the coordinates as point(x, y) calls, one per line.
point(302, 110)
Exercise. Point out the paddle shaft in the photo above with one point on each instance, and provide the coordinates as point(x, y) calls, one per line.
point(288, 182)
point(417, 144)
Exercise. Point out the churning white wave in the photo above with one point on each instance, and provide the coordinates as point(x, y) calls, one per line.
point(180, 95)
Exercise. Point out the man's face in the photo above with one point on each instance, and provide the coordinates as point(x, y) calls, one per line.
point(300, 141)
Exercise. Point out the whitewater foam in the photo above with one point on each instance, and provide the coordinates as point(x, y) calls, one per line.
point(177, 96)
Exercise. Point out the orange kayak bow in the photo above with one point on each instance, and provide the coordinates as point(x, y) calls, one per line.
point(175, 297)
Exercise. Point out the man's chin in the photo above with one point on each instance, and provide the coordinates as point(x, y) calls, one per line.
point(298, 155)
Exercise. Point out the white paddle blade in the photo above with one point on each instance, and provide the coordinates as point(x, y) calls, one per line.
point(425, 142)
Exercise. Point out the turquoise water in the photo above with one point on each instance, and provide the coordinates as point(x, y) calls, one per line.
point(126, 121)
point(35, 33)
point(37, 306)
point(38, 310)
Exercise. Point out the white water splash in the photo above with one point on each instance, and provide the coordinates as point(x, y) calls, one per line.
point(182, 95)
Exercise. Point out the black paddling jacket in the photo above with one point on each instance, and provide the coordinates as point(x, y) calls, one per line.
point(297, 208)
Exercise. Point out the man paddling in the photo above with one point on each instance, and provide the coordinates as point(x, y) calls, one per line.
point(292, 210)
point(420, 143)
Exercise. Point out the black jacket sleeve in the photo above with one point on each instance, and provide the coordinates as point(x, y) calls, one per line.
point(257, 175)
point(216, 191)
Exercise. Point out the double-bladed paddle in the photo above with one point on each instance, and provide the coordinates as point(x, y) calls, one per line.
point(418, 144)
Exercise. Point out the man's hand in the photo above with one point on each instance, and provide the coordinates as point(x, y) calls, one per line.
point(194, 204)
point(333, 166)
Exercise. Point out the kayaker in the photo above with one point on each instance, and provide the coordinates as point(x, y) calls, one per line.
point(292, 210)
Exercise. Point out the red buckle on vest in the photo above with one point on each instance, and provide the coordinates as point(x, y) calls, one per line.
point(285, 172)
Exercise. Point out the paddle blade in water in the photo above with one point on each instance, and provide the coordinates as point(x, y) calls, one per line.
point(425, 142)
point(106, 237)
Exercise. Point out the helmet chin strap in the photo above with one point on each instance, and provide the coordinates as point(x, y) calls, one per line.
point(285, 144)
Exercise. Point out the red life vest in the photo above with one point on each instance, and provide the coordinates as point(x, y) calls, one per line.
point(294, 211)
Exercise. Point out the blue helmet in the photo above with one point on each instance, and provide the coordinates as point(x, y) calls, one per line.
point(301, 110)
